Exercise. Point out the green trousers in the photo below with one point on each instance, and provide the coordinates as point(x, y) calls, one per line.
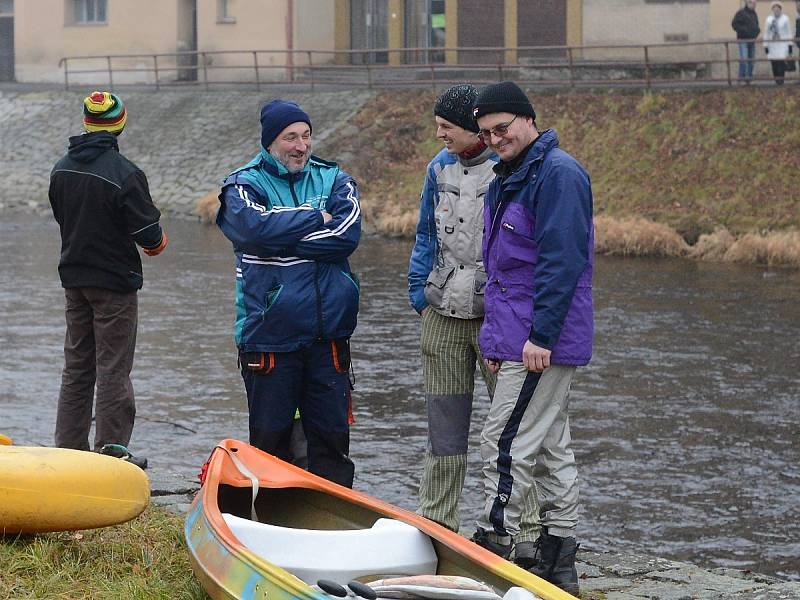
point(449, 354)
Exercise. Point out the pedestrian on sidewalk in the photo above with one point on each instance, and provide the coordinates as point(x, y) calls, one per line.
point(745, 24)
point(538, 249)
point(778, 41)
point(103, 207)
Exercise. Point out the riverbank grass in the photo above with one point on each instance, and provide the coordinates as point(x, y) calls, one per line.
point(140, 560)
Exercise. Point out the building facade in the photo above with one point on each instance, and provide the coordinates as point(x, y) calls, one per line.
point(35, 35)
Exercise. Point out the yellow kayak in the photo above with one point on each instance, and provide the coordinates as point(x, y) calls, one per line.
point(55, 489)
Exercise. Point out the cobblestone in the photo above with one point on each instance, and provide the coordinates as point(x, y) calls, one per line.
point(184, 141)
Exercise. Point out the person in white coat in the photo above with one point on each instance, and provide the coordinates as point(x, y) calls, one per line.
point(777, 41)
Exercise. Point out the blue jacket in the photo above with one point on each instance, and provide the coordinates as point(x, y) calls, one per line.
point(538, 248)
point(293, 282)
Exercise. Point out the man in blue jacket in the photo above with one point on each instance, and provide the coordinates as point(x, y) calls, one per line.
point(538, 252)
point(294, 219)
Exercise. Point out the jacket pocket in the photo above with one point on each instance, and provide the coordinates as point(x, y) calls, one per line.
point(435, 285)
point(271, 298)
point(478, 290)
point(517, 247)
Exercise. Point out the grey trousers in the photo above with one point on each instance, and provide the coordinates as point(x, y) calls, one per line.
point(525, 446)
point(98, 357)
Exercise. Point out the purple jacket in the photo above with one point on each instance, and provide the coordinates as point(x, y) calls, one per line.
point(538, 248)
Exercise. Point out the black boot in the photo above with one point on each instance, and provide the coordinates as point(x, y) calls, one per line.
point(526, 554)
point(490, 542)
point(557, 561)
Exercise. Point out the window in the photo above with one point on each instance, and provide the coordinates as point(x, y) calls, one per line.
point(6, 7)
point(224, 14)
point(90, 11)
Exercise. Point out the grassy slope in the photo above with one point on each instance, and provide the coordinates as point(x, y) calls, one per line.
point(692, 160)
point(143, 559)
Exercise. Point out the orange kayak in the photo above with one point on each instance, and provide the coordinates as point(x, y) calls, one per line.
point(262, 528)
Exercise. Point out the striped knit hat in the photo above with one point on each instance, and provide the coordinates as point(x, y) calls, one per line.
point(104, 111)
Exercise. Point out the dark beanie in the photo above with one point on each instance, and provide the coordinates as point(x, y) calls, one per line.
point(503, 97)
point(277, 115)
point(456, 104)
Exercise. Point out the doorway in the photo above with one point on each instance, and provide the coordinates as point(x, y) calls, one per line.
point(6, 40)
point(369, 29)
point(187, 40)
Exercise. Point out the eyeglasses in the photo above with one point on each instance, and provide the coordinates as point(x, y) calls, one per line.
point(498, 130)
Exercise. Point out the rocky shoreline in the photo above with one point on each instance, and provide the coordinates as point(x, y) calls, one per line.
point(603, 575)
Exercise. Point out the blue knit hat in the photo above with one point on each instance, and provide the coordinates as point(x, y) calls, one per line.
point(277, 115)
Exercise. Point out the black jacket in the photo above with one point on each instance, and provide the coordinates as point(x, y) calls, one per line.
point(103, 207)
point(745, 24)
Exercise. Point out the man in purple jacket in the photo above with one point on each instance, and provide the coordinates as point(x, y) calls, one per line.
point(538, 250)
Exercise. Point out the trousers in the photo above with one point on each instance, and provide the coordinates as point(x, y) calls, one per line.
point(315, 380)
point(526, 445)
point(98, 357)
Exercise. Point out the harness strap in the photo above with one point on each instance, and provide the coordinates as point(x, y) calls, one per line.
point(247, 473)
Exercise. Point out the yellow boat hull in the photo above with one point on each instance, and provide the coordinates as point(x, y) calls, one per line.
point(55, 489)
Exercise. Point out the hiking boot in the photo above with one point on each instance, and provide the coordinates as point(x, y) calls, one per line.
point(488, 540)
point(526, 554)
point(556, 562)
point(121, 452)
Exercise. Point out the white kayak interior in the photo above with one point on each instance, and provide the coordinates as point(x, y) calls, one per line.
point(390, 548)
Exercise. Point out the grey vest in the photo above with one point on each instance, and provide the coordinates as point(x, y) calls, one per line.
point(455, 285)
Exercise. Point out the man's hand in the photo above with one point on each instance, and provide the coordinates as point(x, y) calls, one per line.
point(493, 364)
point(424, 310)
point(326, 216)
point(534, 358)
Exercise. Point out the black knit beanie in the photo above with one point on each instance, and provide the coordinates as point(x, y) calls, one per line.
point(503, 97)
point(455, 105)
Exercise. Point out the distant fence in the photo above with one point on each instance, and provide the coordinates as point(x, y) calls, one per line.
point(652, 65)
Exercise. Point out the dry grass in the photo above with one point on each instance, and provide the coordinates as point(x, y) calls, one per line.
point(713, 246)
point(773, 249)
point(637, 237)
point(207, 207)
point(640, 237)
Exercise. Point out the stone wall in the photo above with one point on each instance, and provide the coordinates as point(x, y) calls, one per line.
point(184, 141)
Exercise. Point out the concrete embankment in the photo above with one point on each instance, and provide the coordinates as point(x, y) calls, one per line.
point(184, 141)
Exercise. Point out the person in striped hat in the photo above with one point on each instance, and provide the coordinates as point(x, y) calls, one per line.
point(103, 207)
point(104, 111)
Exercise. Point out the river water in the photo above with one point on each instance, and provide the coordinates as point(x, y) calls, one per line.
point(685, 425)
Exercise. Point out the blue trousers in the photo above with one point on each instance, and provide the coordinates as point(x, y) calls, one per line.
point(747, 52)
point(314, 380)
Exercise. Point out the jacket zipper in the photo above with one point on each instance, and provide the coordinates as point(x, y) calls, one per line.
point(320, 327)
point(294, 196)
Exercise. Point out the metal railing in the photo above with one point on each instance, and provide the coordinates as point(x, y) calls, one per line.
point(649, 66)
